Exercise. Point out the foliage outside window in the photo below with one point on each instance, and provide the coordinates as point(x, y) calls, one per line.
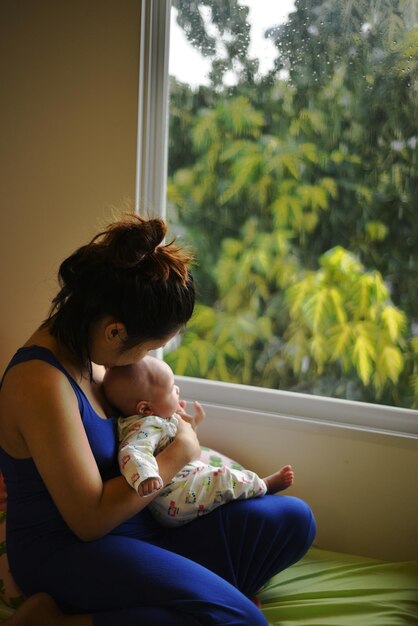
point(297, 188)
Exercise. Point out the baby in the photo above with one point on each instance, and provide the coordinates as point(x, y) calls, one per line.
point(146, 394)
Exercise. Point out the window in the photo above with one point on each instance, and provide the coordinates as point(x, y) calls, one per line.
point(292, 169)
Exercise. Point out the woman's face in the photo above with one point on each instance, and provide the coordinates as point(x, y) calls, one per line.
point(132, 355)
point(108, 341)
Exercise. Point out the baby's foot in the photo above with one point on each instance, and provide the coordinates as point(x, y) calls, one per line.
point(37, 610)
point(280, 480)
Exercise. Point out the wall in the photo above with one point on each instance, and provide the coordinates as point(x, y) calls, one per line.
point(68, 119)
point(361, 482)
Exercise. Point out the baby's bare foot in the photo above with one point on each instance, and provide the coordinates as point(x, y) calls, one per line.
point(38, 610)
point(41, 610)
point(280, 480)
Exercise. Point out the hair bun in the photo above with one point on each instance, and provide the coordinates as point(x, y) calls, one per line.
point(129, 241)
point(72, 269)
point(134, 244)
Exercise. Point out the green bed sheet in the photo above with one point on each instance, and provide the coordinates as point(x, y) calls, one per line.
point(334, 589)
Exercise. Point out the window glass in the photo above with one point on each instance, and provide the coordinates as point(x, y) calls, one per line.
point(293, 174)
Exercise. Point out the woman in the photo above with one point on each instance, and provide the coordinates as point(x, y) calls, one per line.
point(81, 543)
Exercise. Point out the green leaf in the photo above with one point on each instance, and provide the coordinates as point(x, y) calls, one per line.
point(318, 349)
point(377, 231)
point(292, 163)
point(315, 308)
point(286, 210)
point(394, 320)
point(339, 340)
point(338, 303)
point(363, 354)
point(296, 294)
point(389, 363)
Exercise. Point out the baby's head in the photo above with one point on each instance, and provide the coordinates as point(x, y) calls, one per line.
point(144, 388)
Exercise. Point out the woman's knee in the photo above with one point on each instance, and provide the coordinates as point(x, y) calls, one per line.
point(300, 522)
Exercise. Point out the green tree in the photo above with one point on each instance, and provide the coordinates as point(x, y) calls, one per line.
point(277, 177)
point(356, 63)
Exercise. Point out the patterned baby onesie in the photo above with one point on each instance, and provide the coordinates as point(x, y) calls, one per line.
point(196, 490)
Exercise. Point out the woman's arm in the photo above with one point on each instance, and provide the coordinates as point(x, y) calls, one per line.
point(47, 417)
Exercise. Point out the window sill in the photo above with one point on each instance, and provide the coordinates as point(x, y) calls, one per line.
point(298, 407)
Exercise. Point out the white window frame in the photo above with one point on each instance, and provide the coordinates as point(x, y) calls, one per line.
point(151, 185)
point(151, 166)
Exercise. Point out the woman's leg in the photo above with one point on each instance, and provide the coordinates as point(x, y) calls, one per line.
point(246, 542)
point(124, 580)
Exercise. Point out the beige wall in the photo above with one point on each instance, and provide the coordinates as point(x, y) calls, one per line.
point(361, 485)
point(68, 118)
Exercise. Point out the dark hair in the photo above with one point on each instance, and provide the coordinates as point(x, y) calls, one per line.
point(126, 272)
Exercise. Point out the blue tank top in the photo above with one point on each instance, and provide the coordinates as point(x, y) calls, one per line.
point(30, 508)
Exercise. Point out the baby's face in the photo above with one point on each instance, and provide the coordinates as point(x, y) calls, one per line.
point(166, 398)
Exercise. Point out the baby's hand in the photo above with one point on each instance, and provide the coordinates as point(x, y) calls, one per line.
point(195, 419)
point(199, 414)
point(149, 486)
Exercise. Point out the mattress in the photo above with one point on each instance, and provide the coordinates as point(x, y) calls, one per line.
point(333, 589)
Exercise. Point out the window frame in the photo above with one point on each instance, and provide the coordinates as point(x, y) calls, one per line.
point(152, 134)
point(151, 186)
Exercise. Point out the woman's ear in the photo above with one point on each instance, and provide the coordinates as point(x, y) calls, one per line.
point(144, 408)
point(115, 331)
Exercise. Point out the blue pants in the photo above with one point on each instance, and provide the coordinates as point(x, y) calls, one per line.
point(198, 574)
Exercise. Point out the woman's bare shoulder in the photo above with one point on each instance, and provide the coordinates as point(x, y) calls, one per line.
point(32, 395)
point(31, 375)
